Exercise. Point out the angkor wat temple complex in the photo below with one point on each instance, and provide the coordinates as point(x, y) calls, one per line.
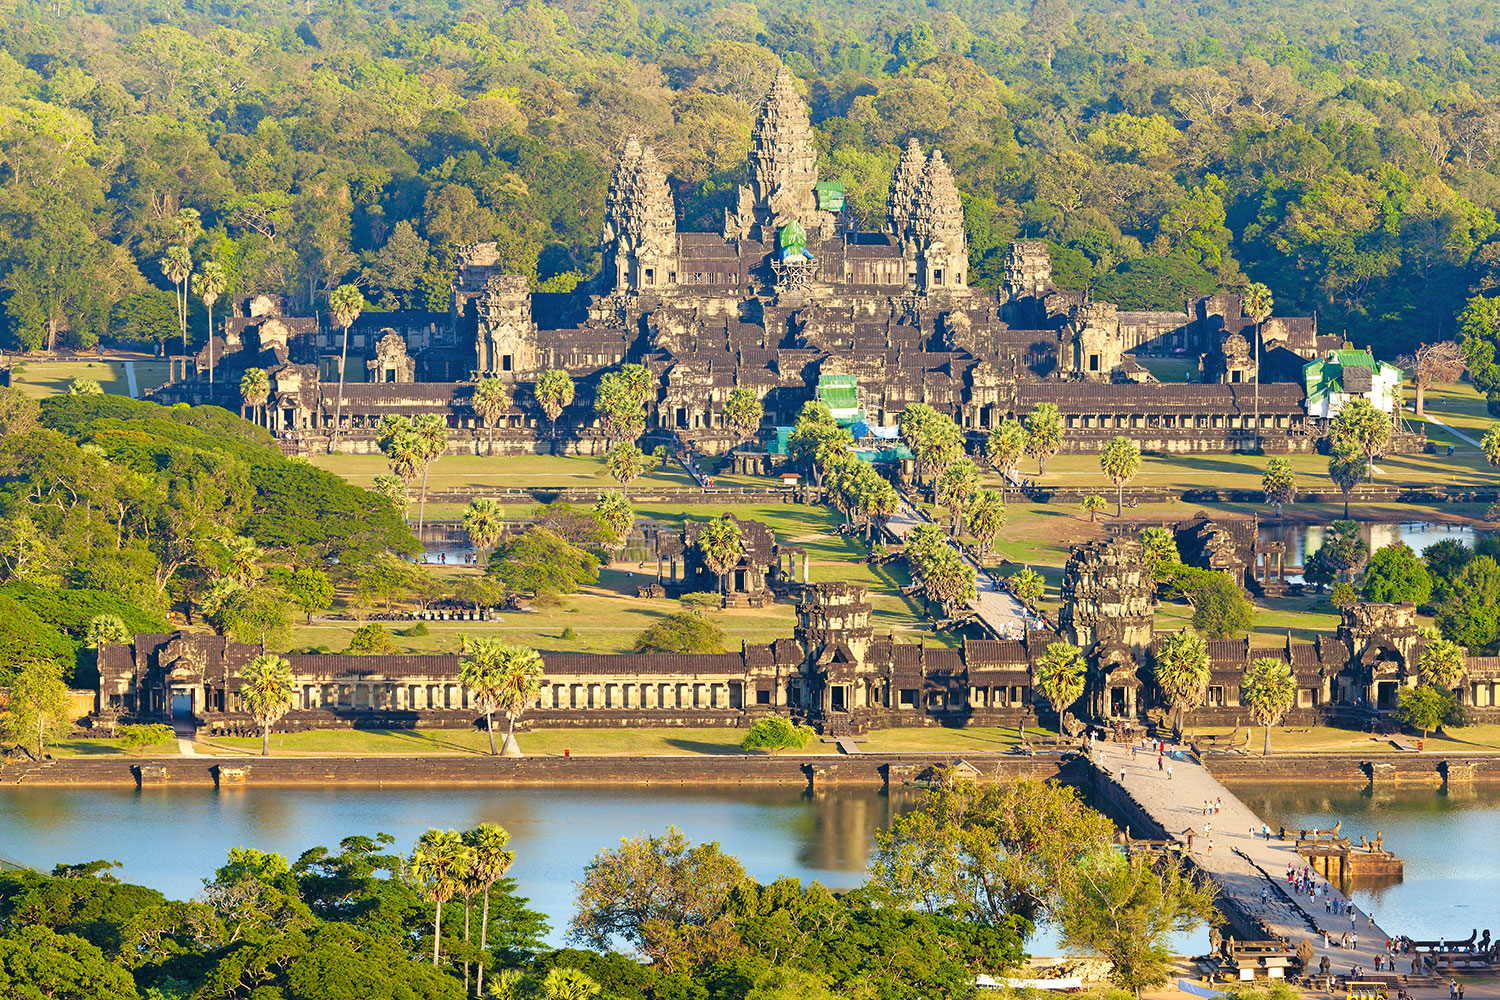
point(785, 293)
point(834, 671)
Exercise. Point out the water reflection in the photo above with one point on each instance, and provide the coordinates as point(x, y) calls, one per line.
point(1301, 539)
point(171, 839)
point(1448, 842)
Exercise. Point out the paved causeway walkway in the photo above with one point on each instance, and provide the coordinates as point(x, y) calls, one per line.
point(995, 606)
point(1242, 862)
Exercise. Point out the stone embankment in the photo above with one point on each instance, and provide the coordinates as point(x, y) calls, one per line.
point(868, 770)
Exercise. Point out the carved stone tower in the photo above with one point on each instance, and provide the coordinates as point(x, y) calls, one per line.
point(832, 619)
point(507, 341)
point(901, 205)
point(1106, 594)
point(1028, 270)
point(640, 223)
point(783, 171)
point(1094, 340)
point(938, 224)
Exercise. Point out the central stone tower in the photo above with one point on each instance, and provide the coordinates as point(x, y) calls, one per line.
point(783, 171)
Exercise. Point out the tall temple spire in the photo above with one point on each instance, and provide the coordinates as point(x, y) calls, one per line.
point(938, 226)
point(783, 169)
point(902, 203)
point(640, 223)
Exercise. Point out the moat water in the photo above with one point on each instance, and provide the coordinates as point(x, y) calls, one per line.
point(171, 839)
point(1300, 539)
point(1450, 843)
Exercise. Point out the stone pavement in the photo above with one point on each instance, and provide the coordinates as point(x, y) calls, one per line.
point(995, 606)
point(1242, 862)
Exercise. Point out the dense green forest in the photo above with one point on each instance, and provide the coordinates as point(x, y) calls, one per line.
point(1347, 156)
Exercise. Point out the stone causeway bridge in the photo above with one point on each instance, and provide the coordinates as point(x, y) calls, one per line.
point(1242, 863)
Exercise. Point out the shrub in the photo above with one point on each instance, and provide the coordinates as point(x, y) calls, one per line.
point(371, 638)
point(774, 733)
point(140, 737)
point(414, 632)
point(568, 633)
point(681, 632)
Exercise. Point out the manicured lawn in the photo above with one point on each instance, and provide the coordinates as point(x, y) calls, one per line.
point(479, 472)
point(1170, 369)
point(606, 742)
point(1328, 739)
point(47, 378)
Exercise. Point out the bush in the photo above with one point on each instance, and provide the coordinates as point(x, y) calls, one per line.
point(568, 633)
point(700, 600)
point(371, 638)
point(140, 737)
point(774, 733)
point(682, 632)
point(414, 632)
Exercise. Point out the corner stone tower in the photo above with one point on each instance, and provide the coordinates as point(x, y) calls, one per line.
point(1106, 594)
point(783, 171)
point(901, 205)
point(507, 341)
point(640, 223)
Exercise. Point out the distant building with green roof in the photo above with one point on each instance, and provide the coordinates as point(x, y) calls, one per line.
point(1345, 374)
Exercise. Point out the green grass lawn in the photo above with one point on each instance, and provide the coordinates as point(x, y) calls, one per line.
point(1169, 369)
point(605, 618)
point(604, 742)
point(48, 378)
point(478, 472)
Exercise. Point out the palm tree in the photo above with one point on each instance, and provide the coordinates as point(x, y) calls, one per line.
point(436, 866)
point(955, 491)
point(723, 545)
point(345, 303)
point(521, 681)
point(176, 266)
point(244, 557)
point(1257, 304)
point(1441, 664)
point(210, 284)
point(1182, 672)
point(255, 389)
point(626, 463)
point(1268, 689)
point(554, 391)
point(267, 692)
point(743, 411)
point(1044, 431)
point(1120, 461)
point(488, 865)
point(432, 438)
point(491, 398)
point(1092, 505)
point(483, 673)
point(1005, 447)
point(567, 983)
point(1059, 676)
point(1346, 469)
point(484, 520)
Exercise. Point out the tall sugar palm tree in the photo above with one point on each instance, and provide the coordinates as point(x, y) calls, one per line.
point(255, 389)
point(484, 520)
point(554, 392)
point(1060, 676)
point(209, 284)
point(626, 463)
point(176, 266)
point(483, 672)
point(1182, 671)
point(267, 691)
point(491, 860)
point(722, 545)
point(521, 671)
point(1120, 461)
point(1268, 689)
point(432, 437)
point(1257, 304)
point(436, 865)
point(491, 398)
point(345, 303)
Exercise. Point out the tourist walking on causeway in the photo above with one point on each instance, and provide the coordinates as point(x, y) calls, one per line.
point(1169, 772)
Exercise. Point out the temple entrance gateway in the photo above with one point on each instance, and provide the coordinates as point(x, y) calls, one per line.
point(182, 703)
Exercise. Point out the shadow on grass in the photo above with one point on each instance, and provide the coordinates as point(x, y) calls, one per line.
point(86, 749)
point(699, 746)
